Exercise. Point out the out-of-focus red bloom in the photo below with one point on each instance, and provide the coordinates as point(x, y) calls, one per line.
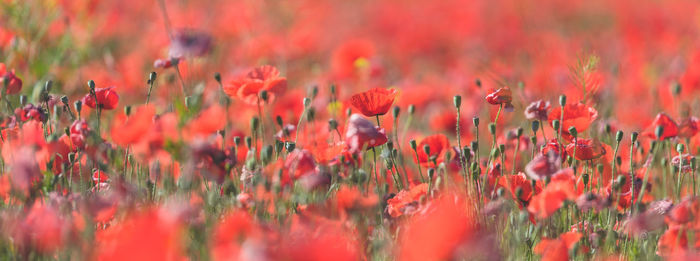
point(350, 197)
point(684, 212)
point(554, 146)
point(31, 112)
point(439, 232)
point(551, 198)
point(208, 122)
point(543, 166)
point(406, 202)
point(163, 63)
point(518, 183)
point(189, 43)
point(438, 143)
point(682, 161)
point(79, 131)
point(319, 240)
point(363, 134)
point(14, 83)
point(248, 87)
point(577, 115)
point(502, 96)
point(666, 122)
point(146, 235)
point(345, 57)
point(557, 249)
point(689, 127)
point(537, 110)
point(673, 241)
point(43, 228)
point(234, 229)
point(107, 98)
point(376, 101)
point(586, 149)
point(129, 130)
point(99, 176)
point(299, 163)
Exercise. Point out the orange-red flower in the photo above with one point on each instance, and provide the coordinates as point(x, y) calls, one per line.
point(577, 115)
point(362, 134)
point(107, 98)
point(406, 201)
point(551, 198)
point(376, 101)
point(502, 96)
point(248, 87)
point(586, 149)
point(689, 127)
point(557, 249)
point(670, 128)
point(537, 110)
point(438, 144)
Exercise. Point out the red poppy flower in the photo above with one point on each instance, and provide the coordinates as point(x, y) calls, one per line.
point(345, 57)
point(265, 78)
point(689, 127)
point(537, 110)
point(543, 166)
point(376, 101)
point(586, 149)
point(406, 201)
point(518, 182)
point(14, 83)
point(130, 130)
point(557, 249)
point(669, 126)
point(682, 161)
point(361, 133)
point(577, 115)
point(438, 143)
point(107, 98)
point(552, 197)
point(79, 131)
point(299, 163)
point(99, 176)
point(500, 96)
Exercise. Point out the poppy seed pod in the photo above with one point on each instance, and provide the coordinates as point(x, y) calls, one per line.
point(279, 146)
point(314, 91)
point(306, 102)
point(476, 121)
point(607, 128)
point(254, 124)
point(619, 135)
point(237, 141)
point(290, 146)
point(91, 85)
point(426, 149)
point(127, 110)
point(431, 173)
point(492, 128)
point(659, 132)
point(562, 100)
point(64, 100)
point(413, 144)
point(634, 136)
point(248, 142)
point(680, 147)
point(555, 125)
point(411, 109)
point(78, 105)
point(279, 121)
point(23, 100)
point(264, 95)
point(535, 126)
point(475, 145)
point(395, 112)
point(457, 101)
point(332, 124)
point(519, 132)
point(586, 178)
point(502, 148)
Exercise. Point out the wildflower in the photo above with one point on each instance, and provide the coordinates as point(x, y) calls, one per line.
point(107, 98)
point(79, 132)
point(502, 96)
point(666, 123)
point(13, 83)
point(682, 161)
point(543, 166)
point(586, 149)
point(189, 43)
point(557, 249)
point(362, 134)
point(576, 115)
point(248, 87)
point(689, 127)
point(376, 101)
point(438, 144)
point(537, 110)
point(406, 202)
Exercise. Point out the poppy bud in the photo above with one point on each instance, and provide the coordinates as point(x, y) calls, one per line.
point(307, 102)
point(91, 85)
point(475, 146)
point(619, 135)
point(264, 95)
point(237, 141)
point(254, 123)
point(426, 149)
point(413, 144)
point(189, 101)
point(562, 100)
point(653, 145)
point(395, 112)
point(535, 126)
point(390, 145)
point(478, 82)
point(78, 105)
point(127, 110)
point(153, 75)
point(680, 147)
point(332, 124)
point(607, 128)
point(71, 157)
point(573, 132)
point(457, 100)
point(501, 191)
point(248, 142)
point(266, 153)
point(618, 160)
point(533, 139)
point(222, 133)
point(518, 192)
point(634, 136)
point(48, 85)
point(66, 130)
point(278, 119)
point(502, 148)
point(692, 163)
point(431, 173)
point(476, 121)
point(279, 146)
point(314, 92)
point(411, 109)
point(519, 132)
point(676, 89)
point(290, 146)
point(659, 131)
point(333, 88)
point(311, 114)
point(585, 179)
point(621, 181)
point(466, 152)
point(23, 100)
point(64, 100)
point(495, 153)
point(474, 166)
point(555, 125)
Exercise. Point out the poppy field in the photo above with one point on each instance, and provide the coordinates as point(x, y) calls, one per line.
point(349, 130)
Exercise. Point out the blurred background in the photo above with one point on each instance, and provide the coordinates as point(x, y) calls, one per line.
point(429, 50)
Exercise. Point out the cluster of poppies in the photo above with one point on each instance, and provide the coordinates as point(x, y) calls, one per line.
point(349, 130)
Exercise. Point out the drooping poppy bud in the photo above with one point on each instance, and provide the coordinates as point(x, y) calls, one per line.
point(376, 101)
